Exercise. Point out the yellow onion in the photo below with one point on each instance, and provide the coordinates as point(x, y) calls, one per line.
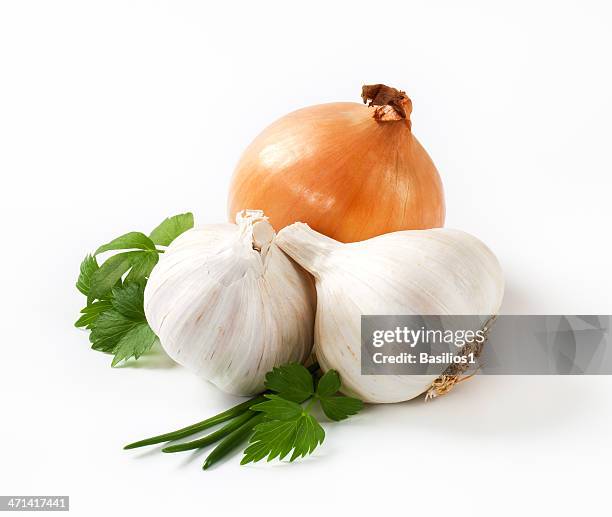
point(350, 171)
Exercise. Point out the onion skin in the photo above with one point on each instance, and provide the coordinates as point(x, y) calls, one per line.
point(345, 174)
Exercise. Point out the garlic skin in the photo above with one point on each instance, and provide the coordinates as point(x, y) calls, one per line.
point(438, 271)
point(229, 305)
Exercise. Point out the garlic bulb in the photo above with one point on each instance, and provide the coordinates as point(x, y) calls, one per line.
point(229, 305)
point(438, 271)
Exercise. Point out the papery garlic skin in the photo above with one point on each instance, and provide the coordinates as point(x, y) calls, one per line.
point(438, 271)
point(229, 305)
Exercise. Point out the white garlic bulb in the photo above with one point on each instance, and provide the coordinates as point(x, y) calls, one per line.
point(229, 305)
point(422, 272)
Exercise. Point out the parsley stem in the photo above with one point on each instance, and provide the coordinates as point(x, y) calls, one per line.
point(311, 401)
point(200, 426)
point(233, 440)
point(212, 437)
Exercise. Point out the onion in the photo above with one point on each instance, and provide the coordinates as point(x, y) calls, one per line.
point(349, 171)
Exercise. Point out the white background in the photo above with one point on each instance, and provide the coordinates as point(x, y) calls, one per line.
point(116, 114)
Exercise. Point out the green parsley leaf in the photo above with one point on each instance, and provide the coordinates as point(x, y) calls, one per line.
point(134, 343)
point(277, 408)
point(110, 327)
point(309, 435)
point(289, 426)
point(129, 301)
point(131, 240)
point(115, 289)
point(123, 330)
point(91, 313)
point(88, 268)
point(335, 407)
point(276, 438)
point(171, 228)
point(329, 384)
point(291, 381)
point(143, 263)
point(109, 274)
point(138, 263)
point(339, 408)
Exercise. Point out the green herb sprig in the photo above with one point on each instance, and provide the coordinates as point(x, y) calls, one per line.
point(275, 424)
point(289, 426)
point(115, 289)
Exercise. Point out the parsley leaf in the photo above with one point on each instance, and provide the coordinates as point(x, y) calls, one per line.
point(340, 408)
point(143, 263)
point(329, 384)
point(113, 322)
point(290, 428)
point(108, 275)
point(309, 434)
point(110, 327)
point(277, 408)
point(135, 342)
point(88, 268)
point(122, 329)
point(138, 263)
point(291, 381)
point(335, 407)
point(171, 228)
point(131, 240)
point(115, 289)
point(91, 313)
point(129, 301)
